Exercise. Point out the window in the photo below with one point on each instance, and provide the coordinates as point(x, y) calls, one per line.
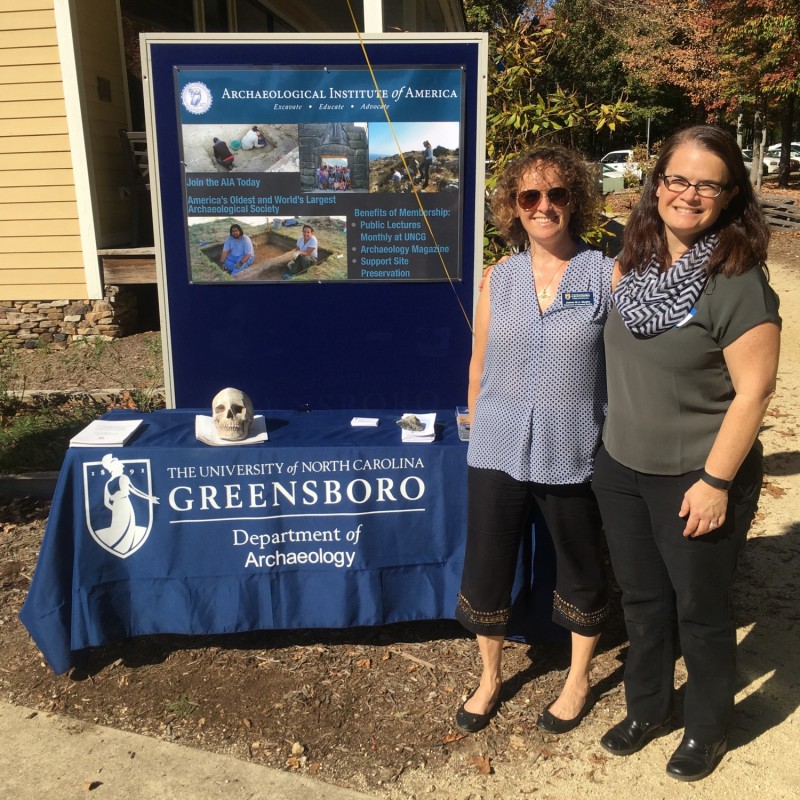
point(252, 17)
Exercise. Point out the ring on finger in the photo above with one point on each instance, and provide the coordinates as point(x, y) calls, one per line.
point(712, 524)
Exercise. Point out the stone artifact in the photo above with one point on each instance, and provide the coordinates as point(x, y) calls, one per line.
point(232, 410)
point(409, 422)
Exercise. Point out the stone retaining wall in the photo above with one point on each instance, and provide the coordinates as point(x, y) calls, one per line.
point(27, 323)
point(103, 398)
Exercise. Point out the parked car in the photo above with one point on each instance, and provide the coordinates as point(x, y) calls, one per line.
point(772, 161)
point(772, 158)
point(622, 161)
point(747, 155)
point(774, 151)
point(794, 150)
point(610, 178)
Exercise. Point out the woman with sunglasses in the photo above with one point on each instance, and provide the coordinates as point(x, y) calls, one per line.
point(537, 395)
point(692, 348)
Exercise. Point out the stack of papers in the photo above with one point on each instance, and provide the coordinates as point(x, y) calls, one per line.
point(105, 433)
point(206, 432)
point(427, 434)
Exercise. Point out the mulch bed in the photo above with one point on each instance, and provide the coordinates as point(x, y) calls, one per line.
point(354, 707)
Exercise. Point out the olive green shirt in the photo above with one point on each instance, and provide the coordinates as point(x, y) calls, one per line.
point(667, 395)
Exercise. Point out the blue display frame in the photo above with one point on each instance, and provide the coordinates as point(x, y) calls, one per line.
point(326, 345)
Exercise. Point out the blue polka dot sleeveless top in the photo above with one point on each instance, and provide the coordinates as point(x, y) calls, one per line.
point(542, 399)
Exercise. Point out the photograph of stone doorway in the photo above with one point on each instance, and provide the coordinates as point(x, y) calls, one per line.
point(334, 157)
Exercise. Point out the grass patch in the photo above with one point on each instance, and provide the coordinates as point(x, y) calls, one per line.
point(182, 708)
point(35, 427)
point(36, 439)
point(147, 397)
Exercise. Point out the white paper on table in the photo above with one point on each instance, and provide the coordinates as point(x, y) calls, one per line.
point(364, 422)
point(105, 433)
point(205, 431)
point(427, 434)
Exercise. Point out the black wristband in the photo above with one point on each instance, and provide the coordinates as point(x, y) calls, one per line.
point(717, 483)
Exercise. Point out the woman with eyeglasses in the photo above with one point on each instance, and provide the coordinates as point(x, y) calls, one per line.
point(692, 351)
point(537, 396)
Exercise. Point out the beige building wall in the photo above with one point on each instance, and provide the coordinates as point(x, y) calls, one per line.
point(100, 68)
point(40, 238)
point(63, 98)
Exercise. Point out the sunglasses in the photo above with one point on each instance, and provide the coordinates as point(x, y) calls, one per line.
point(530, 198)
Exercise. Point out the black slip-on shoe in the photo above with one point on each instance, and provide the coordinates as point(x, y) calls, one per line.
point(472, 723)
point(630, 735)
point(694, 760)
point(552, 724)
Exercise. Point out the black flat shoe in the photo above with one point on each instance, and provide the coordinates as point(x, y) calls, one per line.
point(694, 760)
point(630, 736)
point(552, 724)
point(472, 723)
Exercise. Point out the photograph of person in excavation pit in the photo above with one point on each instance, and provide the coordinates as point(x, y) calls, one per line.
point(251, 148)
point(275, 244)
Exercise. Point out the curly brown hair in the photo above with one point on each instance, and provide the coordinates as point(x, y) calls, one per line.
point(576, 176)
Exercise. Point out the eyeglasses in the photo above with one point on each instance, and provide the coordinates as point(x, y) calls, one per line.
point(679, 184)
point(530, 198)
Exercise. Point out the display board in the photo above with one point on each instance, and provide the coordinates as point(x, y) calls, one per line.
point(323, 151)
point(319, 215)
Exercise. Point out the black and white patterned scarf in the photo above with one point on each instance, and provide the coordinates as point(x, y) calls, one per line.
point(652, 302)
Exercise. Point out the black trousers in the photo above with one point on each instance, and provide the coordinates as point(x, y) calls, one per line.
point(499, 514)
point(302, 263)
point(670, 583)
point(425, 172)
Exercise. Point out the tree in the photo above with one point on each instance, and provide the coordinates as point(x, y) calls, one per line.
point(759, 42)
point(587, 60)
point(522, 113)
point(483, 15)
point(521, 110)
point(525, 104)
point(729, 57)
point(672, 44)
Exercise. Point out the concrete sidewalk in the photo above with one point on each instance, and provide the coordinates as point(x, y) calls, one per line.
point(43, 755)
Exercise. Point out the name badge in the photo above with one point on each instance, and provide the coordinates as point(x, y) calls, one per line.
point(577, 299)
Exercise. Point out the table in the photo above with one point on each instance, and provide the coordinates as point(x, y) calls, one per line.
point(324, 526)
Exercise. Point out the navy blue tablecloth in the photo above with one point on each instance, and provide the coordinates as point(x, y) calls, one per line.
point(324, 526)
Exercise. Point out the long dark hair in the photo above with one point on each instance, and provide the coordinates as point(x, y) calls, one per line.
point(743, 231)
point(574, 172)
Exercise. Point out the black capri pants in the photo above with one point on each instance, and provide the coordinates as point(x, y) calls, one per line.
point(500, 512)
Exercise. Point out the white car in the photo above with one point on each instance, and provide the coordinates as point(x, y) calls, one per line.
point(794, 150)
point(772, 156)
point(747, 155)
point(622, 161)
point(771, 162)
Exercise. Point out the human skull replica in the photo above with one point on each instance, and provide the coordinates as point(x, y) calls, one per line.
point(233, 412)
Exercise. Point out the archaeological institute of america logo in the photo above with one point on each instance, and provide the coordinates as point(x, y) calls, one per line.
point(196, 97)
point(118, 498)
